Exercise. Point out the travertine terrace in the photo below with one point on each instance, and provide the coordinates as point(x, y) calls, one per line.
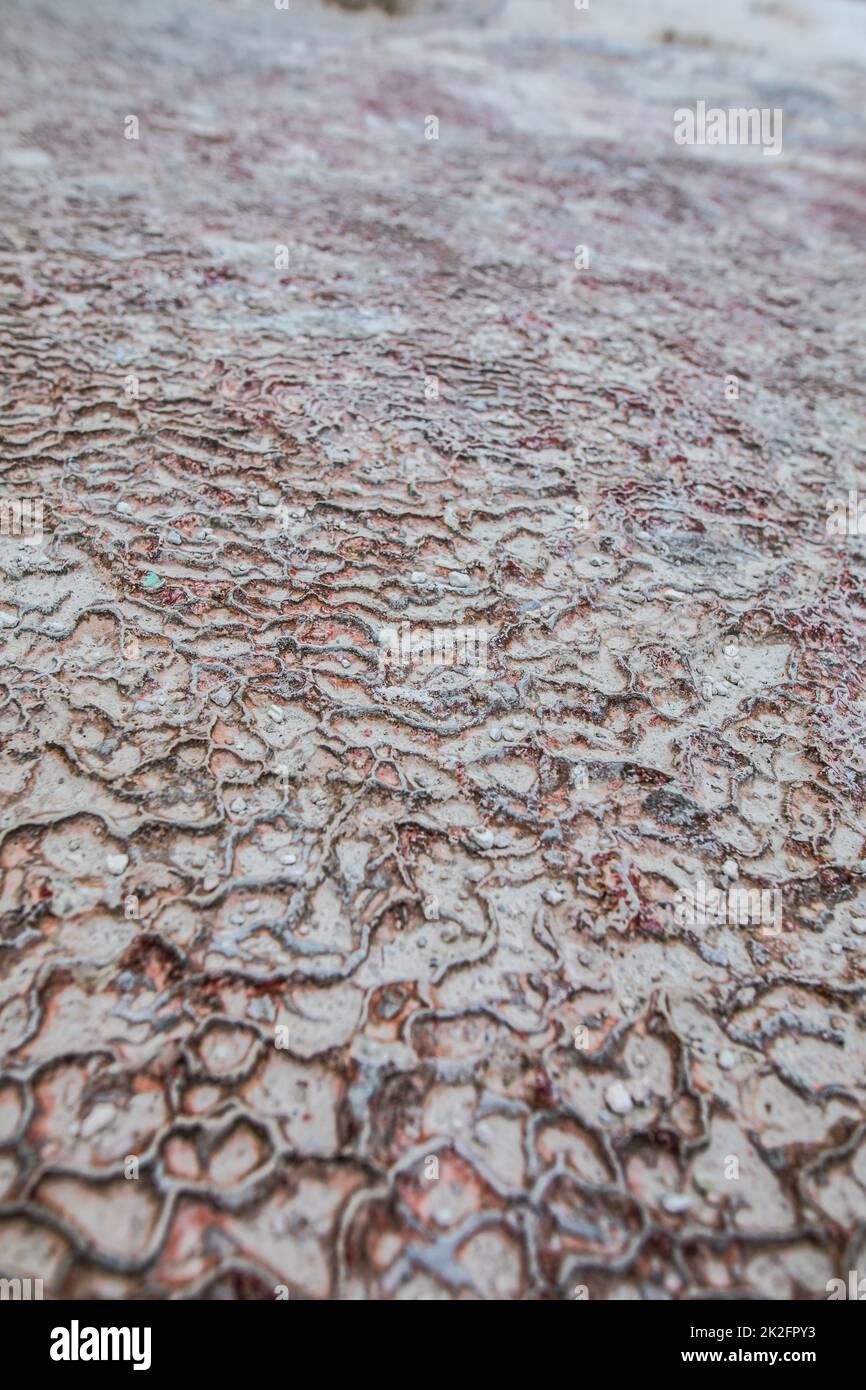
point(362, 980)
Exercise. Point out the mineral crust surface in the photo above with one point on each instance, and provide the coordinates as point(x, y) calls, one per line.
point(428, 603)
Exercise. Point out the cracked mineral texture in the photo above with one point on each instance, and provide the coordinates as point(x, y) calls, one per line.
point(432, 705)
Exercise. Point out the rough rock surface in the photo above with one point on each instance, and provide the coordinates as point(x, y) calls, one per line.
point(368, 981)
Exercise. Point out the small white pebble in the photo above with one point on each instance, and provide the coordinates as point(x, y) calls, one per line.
point(641, 1091)
point(99, 1117)
point(676, 1202)
point(116, 863)
point(482, 836)
point(617, 1098)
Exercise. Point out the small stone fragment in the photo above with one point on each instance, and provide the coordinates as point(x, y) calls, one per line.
point(676, 1202)
point(99, 1117)
point(617, 1099)
point(482, 836)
